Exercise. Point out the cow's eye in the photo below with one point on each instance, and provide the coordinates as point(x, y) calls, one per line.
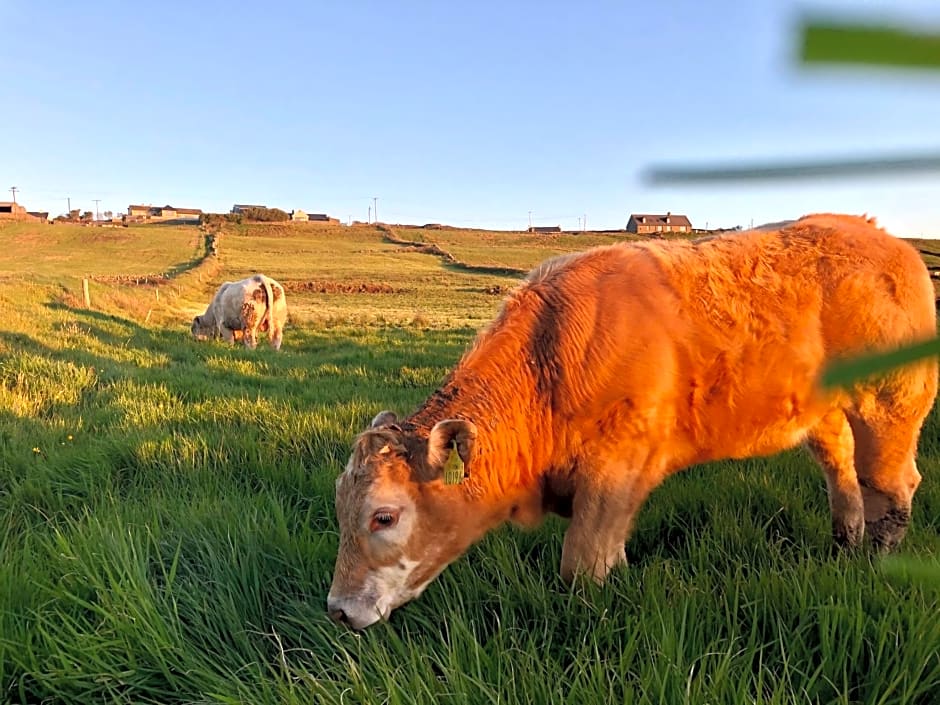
point(383, 519)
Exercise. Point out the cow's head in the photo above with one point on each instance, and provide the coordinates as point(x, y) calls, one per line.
point(200, 330)
point(400, 524)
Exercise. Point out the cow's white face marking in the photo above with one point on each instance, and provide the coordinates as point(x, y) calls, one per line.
point(391, 584)
point(398, 526)
point(384, 566)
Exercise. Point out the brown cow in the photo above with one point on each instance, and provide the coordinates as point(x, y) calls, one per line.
point(609, 370)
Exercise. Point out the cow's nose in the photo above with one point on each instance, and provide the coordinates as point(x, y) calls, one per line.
point(337, 613)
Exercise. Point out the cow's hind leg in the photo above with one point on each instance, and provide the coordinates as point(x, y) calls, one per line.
point(833, 446)
point(250, 322)
point(276, 335)
point(885, 448)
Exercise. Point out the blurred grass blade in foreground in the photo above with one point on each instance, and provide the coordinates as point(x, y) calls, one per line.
point(832, 42)
point(846, 372)
point(810, 168)
point(907, 570)
point(835, 42)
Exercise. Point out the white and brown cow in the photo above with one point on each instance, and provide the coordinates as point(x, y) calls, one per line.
point(609, 370)
point(243, 309)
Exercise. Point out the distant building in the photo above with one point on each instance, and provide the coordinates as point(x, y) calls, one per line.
point(188, 213)
point(545, 229)
point(162, 213)
point(646, 224)
point(299, 216)
point(10, 210)
point(239, 207)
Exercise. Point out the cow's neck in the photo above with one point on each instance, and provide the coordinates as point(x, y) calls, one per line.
point(494, 387)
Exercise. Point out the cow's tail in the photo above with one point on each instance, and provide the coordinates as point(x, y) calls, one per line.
point(269, 305)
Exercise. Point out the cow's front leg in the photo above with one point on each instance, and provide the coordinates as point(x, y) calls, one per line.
point(604, 506)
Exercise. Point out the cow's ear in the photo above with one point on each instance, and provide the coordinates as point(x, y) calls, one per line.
point(444, 436)
point(384, 418)
point(379, 443)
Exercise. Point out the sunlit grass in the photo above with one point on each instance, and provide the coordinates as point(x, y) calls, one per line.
point(167, 531)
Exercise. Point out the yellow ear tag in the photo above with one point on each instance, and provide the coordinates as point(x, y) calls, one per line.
point(453, 467)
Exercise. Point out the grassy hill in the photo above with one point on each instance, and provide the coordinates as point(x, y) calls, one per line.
point(166, 521)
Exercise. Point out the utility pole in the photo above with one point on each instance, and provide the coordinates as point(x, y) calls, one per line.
point(375, 208)
point(369, 217)
point(69, 199)
point(530, 220)
point(97, 201)
point(13, 190)
point(579, 222)
point(584, 222)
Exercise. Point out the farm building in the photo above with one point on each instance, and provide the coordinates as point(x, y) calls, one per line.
point(161, 213)
point(10, 210)
point(299, 216)
point(646, 224)
point(543, 229)
point(240, 207)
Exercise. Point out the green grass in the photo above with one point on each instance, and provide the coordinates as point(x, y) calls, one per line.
point(167, 531)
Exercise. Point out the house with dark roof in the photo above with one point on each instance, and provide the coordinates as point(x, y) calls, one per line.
point(651, 224)
point(11, 210)
point(162, 213)
point(240, 207)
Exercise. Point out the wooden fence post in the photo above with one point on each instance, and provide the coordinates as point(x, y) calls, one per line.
point(86, 296)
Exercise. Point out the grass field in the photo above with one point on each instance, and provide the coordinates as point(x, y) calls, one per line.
point(167, 531)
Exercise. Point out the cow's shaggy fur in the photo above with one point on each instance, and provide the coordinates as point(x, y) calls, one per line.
point(241, 310)
point(609, 370)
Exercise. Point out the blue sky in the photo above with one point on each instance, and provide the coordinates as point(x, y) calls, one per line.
point(468, 113)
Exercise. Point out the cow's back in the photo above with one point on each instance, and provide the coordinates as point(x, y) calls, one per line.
point(717, 347)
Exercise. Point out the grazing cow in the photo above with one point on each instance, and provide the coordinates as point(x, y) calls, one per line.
point(240, 310)
point(609, 370)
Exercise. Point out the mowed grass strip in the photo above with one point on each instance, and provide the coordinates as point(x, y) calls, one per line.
point(168, 531)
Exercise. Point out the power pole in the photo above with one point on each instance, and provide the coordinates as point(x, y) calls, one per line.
point(584, 222)
point(97, 201)
point(579, 222)
point(375, 208)
point(13, 190)
point(369, 217)
point(69, 199)
point(530, 220)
